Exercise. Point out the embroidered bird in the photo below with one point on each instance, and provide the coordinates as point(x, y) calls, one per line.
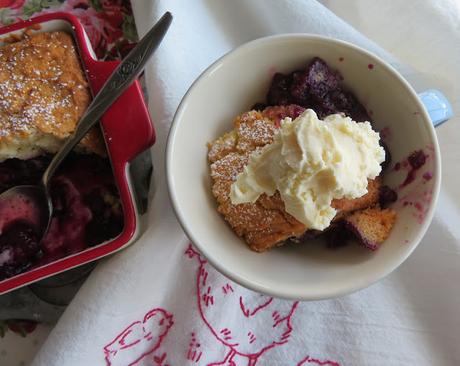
point(246, 322)
point(139, 339)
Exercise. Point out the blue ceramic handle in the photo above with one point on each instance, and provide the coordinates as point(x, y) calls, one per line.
point(437, 106)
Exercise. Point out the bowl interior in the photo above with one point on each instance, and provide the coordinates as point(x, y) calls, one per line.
point(231, 86)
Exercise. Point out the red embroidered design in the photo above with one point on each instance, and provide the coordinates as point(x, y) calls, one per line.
point(259, 322)
point(227, 288)
point(140, 339)
point(194, 353)
point(158, 360)
point(315, 361)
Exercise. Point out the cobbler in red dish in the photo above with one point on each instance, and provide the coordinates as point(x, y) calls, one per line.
point(43, 94)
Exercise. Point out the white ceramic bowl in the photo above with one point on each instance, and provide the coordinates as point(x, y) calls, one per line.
point(231, 86)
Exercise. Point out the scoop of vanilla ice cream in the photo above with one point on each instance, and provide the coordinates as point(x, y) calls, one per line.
point(311, 162)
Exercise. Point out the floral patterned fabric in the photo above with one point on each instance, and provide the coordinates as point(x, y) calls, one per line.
point(108, 23)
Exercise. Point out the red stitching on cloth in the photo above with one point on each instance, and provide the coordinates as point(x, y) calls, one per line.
point(206, 302)
point(143, 337)
point(159, 360)
point(193, 353)
point(140, 339)
point(247, 313)
point(227, 288)
point(316, 361)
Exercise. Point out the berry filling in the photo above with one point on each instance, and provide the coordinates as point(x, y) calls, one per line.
point(416, 160)
point(19, 248)
point(87, 211)
point(387, 196)
point(316, 87)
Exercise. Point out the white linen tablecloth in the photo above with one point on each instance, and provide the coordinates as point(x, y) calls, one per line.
point(160, 303)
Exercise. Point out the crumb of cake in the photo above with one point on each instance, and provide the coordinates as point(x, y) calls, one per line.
point(253, 130)
point(222, 146)
point(371, 198)
point(371, 226)
point(44, 94)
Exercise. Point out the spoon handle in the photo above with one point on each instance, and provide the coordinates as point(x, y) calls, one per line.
point(119, 81)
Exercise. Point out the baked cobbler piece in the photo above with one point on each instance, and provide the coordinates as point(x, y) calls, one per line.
point(43, 94)
point(265, 223)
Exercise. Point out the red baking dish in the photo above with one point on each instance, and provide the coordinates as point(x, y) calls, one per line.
point(127, 130)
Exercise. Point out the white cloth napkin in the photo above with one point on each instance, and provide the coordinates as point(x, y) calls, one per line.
point(160, 303)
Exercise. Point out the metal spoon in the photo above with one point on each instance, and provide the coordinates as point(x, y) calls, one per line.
point(34, 201)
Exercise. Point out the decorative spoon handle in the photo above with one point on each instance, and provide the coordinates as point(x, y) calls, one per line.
point(119, 81)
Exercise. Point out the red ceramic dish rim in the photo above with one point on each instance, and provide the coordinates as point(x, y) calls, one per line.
point(127, 129)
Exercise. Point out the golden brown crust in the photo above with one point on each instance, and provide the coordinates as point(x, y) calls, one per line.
point(43, 89)
point(345, 206)
point(372, 225)
point(265, 223)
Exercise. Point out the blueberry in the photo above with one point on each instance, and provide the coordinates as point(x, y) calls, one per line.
point(300, 90)
point(338, 236)
point(387, 196)
point(320, 78)
point(386, 163)
point(19, 247)
point(259, 106)
point(278, 93)
point(417, 159)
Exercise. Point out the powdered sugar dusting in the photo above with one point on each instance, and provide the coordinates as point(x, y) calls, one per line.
point(264, 222)
point(42, 86)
